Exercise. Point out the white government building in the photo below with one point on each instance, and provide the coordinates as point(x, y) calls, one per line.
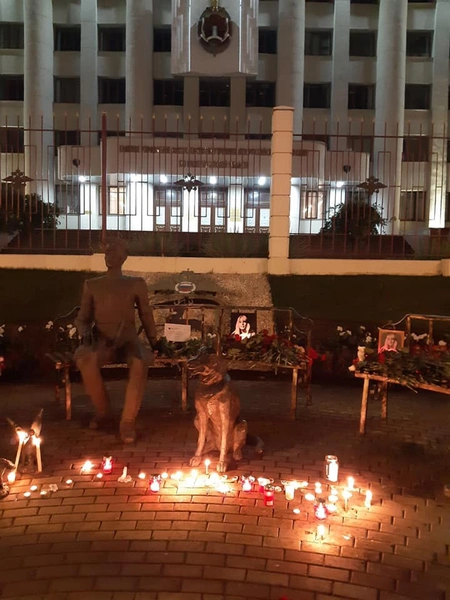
point(189, 86)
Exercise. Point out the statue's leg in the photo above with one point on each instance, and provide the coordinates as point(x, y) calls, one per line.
point(89, 362)
point(138, 365)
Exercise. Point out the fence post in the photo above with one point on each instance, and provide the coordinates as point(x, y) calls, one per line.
point(104, 183)
point(280, 190)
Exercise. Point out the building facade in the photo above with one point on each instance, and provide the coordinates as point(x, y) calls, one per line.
point(139, 95)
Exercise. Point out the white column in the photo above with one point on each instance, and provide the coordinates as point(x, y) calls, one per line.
point(339, 82)
point(88, 73)
point(235, 222)
point(38, 94)
point(291, 57)
point(390, 105)
point(280, 191)
point(139, 65)
point(439, 116)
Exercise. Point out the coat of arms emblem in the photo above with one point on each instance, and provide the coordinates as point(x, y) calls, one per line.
point(214, 28)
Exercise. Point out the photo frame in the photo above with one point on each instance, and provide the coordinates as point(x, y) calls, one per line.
point(243, 324)
point(390, 340)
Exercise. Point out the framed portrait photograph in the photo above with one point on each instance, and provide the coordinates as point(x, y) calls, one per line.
point(390, 340)
point(243, 324)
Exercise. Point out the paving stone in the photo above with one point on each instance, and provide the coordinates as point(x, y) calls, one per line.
point(103, 540)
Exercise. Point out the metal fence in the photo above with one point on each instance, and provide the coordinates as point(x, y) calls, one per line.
point(355, 192)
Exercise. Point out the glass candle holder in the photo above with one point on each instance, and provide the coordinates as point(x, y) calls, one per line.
point(155, 484)
point(263, 481)
point(269, 495)
point(289, 491)
point(331, 468)
point(320, 510)
point(107, 464)
point(247, 483)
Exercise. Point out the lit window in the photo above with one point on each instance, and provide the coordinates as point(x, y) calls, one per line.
point(311, 204)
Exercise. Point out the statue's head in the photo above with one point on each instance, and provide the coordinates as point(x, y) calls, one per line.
point(115, 253)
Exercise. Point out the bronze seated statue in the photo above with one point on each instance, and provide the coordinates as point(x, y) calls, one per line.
point(218, 412)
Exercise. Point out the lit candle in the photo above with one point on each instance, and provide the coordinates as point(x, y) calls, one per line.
point(37, 444)
point(247, 483)
point(207, 463)
point(177, 476)
point(350, 483)
point(296, 511)
point(107, 464)
point(87, 466)
point(310, 497)
point(333, 498)
point(289, 491)
point(320, 510)
point(11, 477)
point(164, 475)
point(33, 488)
point(368, 500)
point(321, 530)
point(318, 488)
point(69, 481)
point(346, 494)
point(27, 494)
point(23, 436)
point(331, 467)
point(141, 475)
point(99, 475)
point(155, 485)
point(269, 495)
point(44, 493)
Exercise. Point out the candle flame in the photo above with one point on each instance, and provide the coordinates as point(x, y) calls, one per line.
point(11, 476)
point(141, 475)
point(351, 483)
point(36, 441)
point(22, 435)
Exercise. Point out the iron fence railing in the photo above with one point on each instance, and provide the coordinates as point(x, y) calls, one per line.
point(355, 191)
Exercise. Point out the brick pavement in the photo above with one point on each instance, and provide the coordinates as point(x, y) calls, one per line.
point(106, 540)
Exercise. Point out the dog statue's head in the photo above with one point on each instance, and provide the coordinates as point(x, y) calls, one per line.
point(210, 368)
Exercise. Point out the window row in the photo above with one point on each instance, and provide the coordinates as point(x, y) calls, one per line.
point(213, 211)
point(216, 92)
point(67, 38)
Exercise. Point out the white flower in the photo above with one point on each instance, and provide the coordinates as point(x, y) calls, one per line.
point(339, 328)
point(61, 328)
point(2, 330)
point(352, 368)
point(342, 333)
point(348, 332)
point(72, 332)
point(368, 339)
point(20, 328)
point(49, 325)
point(442, 343)
point(362, 328)
point(415, 337)
point(69, 326)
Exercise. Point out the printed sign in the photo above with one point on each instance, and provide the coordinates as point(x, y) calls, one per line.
point(176, 332)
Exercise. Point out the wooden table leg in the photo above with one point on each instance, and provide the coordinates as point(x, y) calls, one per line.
point(184, 387)
point(68, 390)
point(364, 399)
point(383, 390)
point(294, 393)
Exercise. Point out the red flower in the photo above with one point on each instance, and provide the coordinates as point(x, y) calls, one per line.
point(313, 354)
point(382, 357)
point(237, 337)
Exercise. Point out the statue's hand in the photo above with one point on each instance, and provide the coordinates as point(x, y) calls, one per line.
point(221, 467)
point(195, 461)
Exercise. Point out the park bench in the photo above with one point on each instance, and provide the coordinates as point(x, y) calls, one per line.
point(209, 324)
point(376, 385)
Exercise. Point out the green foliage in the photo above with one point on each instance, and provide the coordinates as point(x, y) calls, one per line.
point(27, 213)
point(356, 218)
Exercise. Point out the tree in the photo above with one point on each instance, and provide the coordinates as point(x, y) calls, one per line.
point(356, 218)
point(24, 213)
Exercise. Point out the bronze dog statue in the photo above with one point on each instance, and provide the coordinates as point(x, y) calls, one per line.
point(218, 406)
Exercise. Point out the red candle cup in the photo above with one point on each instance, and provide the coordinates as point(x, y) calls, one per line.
point(269, 495)
point(107, 464)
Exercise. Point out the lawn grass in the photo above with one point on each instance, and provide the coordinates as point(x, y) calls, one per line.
point(35, 295)
point(364, 299)
point(32, 295)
